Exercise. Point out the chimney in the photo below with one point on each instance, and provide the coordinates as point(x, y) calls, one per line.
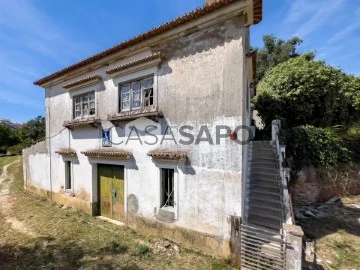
point(209, 2)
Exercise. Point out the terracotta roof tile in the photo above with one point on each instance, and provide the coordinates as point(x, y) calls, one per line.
point(66, 152)
point(81, 122)
point(135, 63)
point(187, 17)
point(173, 155)
point(108, 153)
point(87, 79)
point(257, 10)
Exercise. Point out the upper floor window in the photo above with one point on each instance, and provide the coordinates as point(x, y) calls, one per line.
point(137, 94)
point(84, 105)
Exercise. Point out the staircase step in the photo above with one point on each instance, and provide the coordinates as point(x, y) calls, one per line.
point(266, 145)
point(263, 175)
point(265, 165)
point(270, 202)
point(262, 150)
point(264, 185)
point(269, 156)
point(265, 206)
point(265, 160)
point(264, 192)
point(277, 214)
point(257, 169)
point(265, 223)
point(270, 189)
point(268, 216)
point(270, 182)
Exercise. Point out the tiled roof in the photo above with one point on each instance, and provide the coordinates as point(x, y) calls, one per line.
point(85, 80)
point(107, 153)
point(81, 122)
point(127, 115)
point(135, 63)
point(174, 155)
point(187, 17)
point(257, 10)
point(66, 152)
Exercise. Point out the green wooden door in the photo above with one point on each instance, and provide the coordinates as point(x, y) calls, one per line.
point(111, 183)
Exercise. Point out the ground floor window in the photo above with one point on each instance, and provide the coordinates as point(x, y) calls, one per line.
point(67, 174)
point(167, 187)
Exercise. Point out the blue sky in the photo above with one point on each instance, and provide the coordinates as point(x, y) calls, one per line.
point(39, 37)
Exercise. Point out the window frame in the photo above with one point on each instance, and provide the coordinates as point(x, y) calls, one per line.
point(68, 185)
point(164, 194)
point(143, 89)
point(82, 116)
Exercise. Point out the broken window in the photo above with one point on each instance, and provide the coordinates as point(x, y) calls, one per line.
point(137, 94)
point(167, 187)
point(67, 175)
point(84, 105)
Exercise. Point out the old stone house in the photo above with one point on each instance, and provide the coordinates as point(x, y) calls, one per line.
point(184, 178)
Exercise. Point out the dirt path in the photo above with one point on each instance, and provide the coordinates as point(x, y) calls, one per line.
point(6, 201)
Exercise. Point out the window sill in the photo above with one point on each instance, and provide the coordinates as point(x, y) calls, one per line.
point(152, 112)
point(166, 214)
point(69, 193)
point(82, 122)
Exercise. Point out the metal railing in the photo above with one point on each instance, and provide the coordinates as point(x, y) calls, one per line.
point(262, 249)
point(278, 139)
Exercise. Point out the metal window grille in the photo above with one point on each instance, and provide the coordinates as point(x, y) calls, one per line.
point(167, 186)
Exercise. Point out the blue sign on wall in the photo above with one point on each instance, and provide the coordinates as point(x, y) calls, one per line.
point(106, 137)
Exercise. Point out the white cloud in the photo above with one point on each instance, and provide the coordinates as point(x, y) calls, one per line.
point(315, 16)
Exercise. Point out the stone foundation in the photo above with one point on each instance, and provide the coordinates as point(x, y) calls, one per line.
point(60, 198)
point(207, 243)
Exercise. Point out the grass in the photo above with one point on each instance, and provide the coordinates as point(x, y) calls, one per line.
point(338, 236)
point(70, 239)
point(4, 160)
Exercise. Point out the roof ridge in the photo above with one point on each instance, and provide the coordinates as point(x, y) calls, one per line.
point(180, 20)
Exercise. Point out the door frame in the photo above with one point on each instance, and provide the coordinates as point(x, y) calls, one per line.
point(97, 183)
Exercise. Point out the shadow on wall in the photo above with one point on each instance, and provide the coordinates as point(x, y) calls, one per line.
point(86, 132)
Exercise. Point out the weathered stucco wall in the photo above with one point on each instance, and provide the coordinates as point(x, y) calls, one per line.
point(202, 81)
point(35, 166)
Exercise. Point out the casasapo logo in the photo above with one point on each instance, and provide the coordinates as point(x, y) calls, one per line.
point(147, 132)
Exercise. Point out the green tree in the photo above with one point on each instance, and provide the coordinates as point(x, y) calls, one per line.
point(302, 91)
point(7, 138)
point(33, 130)
point(275, 51)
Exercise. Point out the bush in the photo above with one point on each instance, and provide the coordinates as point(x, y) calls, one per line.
point(302, 91)
point(351, 139)
point(318, 147)
point(16, 149)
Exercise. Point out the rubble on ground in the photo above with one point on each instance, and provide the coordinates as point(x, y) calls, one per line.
point(165, 247)
point(315, 211)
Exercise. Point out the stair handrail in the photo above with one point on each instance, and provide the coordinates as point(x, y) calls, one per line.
point(278, 141)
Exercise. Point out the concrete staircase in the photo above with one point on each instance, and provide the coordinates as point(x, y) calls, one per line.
point(265, 193)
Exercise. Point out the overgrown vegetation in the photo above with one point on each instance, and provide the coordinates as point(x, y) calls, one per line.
point(318, 105)
point(302, 91)
point(13, 141)
point(318, 147)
